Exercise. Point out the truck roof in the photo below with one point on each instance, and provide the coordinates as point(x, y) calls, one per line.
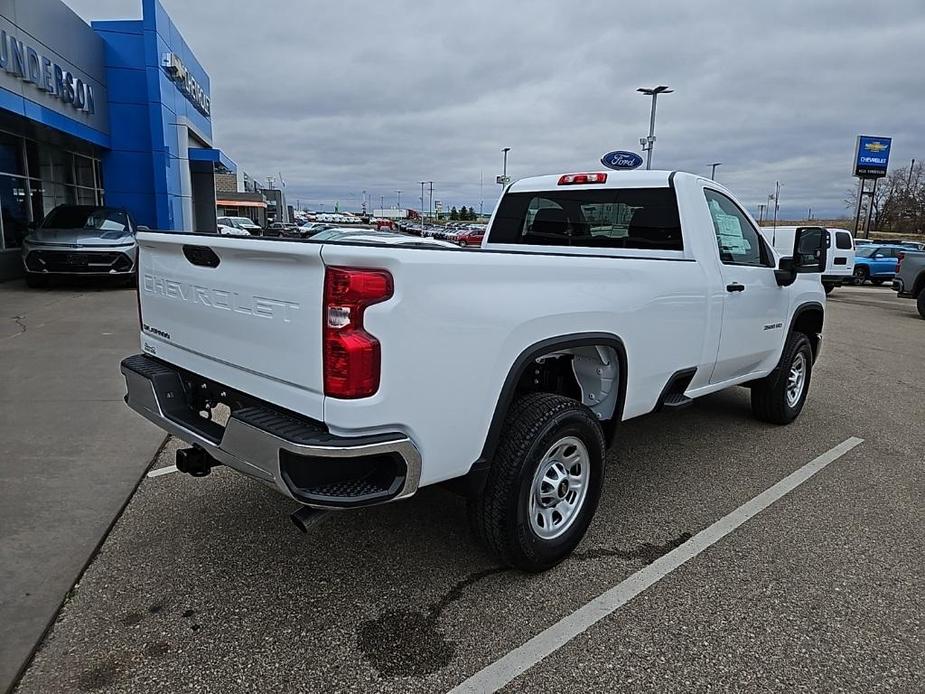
point(615, 179)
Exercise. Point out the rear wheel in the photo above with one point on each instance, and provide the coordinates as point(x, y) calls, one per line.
point(463, 244)
point(544, 483)
point(779, 397)
point(860, 275)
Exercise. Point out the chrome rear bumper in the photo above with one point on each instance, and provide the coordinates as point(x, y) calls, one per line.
point(254, 438)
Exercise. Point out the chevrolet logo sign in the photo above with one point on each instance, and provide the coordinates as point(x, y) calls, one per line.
point(875, 147)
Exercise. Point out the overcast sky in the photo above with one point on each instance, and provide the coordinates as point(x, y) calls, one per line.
point(349, 96)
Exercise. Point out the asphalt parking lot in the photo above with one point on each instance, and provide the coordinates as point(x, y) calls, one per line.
point(205, 585)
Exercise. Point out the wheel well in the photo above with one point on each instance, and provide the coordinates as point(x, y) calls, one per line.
point(809, 322)
point(567, 365)
point(589, 374)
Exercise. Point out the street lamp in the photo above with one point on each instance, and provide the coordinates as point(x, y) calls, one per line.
point(713, 169)
point(648, 143)
point(423, 183)
point(430, 205)
point(398, 192)
point(504, 151)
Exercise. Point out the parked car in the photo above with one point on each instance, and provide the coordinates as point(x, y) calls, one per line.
point(333, 360)
point(909, 282)
point(840, 259)
point(876, 263)
point(81, 240)
point(470, 237)
point(237, 226)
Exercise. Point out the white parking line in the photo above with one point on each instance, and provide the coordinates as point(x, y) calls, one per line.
point(521, 659)
point(163, 471)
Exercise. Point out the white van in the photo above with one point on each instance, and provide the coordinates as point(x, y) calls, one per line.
point(840, 264)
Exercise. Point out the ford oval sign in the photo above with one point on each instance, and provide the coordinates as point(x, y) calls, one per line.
point(621, 160)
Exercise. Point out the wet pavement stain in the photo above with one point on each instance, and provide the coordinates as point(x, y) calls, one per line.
point(646, 551)
point(99, 676)
point(156, 650)
point(409, 643)
point(132, 618)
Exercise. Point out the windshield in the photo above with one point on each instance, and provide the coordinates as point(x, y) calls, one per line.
point(86, 217)
point(243, 221)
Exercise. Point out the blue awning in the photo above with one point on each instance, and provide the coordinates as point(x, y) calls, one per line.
point(216, 156)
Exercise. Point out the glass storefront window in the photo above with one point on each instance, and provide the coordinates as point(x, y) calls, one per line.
point(11, 155)
point(86, 196)
point(56, 165)
point(83, 171)
point(32, 158)
point(55, 177)
point(13, 210)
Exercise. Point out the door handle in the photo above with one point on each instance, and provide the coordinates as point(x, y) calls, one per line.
point(735, 287)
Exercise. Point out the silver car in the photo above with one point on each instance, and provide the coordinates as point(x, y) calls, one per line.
point(81, 240)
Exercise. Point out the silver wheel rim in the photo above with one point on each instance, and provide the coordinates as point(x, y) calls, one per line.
point(796, 380)
point(559, 488)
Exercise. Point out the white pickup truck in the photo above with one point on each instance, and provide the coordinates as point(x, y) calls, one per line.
point(356, 373)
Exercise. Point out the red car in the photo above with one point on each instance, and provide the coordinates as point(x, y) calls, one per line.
point(470, 237)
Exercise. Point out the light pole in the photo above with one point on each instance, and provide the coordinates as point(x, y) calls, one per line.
point(649, 143)
point(761, 207)
point(504, 151)
point(713, 169)
point(430, 204)
point(398, 192)
point(423, 183)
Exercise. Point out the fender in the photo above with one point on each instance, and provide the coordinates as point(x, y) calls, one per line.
point(815, 341)
point(522, 363)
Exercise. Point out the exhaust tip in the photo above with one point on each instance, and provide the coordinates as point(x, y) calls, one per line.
point(306, 517)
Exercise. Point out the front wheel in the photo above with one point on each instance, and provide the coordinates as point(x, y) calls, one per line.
point(779, 397)
point(463, 244)
point(544, 483)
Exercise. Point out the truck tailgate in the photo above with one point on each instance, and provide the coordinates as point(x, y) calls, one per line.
point(237, 310)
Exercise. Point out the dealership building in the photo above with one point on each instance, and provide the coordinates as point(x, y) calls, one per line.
point(115, 112)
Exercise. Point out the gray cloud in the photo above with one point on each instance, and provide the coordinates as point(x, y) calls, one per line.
point(351, 96)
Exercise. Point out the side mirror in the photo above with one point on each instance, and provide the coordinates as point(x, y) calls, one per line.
point(810, 252)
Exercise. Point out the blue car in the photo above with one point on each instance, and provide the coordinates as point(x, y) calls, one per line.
point(876, 263)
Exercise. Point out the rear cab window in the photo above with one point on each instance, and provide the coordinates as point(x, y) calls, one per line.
point(605, 218)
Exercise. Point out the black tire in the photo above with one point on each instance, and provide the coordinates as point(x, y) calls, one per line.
point(828, 288)
point(36, 281)
point(500, 515)
point(920, 303)
point(769, 395)
point(463, 244)
point(860, 276)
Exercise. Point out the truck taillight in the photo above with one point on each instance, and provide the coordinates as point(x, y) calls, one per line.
point(582, 178)
point(899, 261)
point(352, 360)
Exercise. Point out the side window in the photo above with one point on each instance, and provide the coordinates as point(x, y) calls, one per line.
point(643, 218)
point(738, 241)
point(843, 240)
